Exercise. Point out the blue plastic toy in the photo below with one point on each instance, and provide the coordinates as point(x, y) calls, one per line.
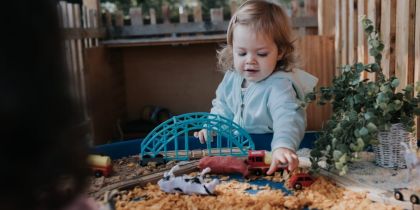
point(230, 138)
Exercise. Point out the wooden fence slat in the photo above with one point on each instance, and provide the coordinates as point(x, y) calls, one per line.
point(119, 18)
point(411, 48)
point(216, 15)
point(183, 15)
point(352, 31)
point(233, 7)
point(311, 10)
point(85, 25)
point(94, 19)
point(326, 17)
point(388, 19)
point(417, 54)
point(337, 42)
point(165, 13)
point(152, 13)
point(344, 32)
point(361, 38)
point(372, 15)
point(401, 42)
point(74, 56)
point(80, 67)
point(136, 16)
point(197, 13)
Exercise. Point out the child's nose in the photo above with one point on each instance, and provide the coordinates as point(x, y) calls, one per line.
point(250, 59)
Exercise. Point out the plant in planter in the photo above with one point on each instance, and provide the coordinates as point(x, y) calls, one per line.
point(362, 109)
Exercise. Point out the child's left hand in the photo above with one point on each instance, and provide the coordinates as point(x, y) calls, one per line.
point(283, 156)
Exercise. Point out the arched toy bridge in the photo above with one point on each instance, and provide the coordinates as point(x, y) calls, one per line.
point(231, 139)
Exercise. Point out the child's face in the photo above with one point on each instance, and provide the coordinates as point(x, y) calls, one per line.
point(255, 55)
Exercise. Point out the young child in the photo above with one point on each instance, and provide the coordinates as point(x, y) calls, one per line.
point(262, 91)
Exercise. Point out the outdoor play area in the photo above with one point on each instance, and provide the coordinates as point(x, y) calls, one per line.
point(144, 74)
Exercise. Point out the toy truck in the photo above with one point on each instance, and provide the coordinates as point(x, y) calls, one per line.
point(300, 180)
point(259, 161)
point(101, 165)
point(407, 194)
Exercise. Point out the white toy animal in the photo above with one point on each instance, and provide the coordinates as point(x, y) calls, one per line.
point(187, 184)
point(411, 159)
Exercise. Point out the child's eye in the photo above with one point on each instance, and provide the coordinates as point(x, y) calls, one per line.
point(242, 53)
point(262, 54)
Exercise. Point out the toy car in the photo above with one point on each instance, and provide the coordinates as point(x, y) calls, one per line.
point(405, 193)
point(299, 180)
point(101, 165)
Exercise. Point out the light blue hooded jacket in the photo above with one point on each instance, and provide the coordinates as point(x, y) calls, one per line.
point(272, 105)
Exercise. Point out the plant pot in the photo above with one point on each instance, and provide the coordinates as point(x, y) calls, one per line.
point(388, 152)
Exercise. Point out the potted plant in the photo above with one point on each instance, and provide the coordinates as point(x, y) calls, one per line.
point(363, 110)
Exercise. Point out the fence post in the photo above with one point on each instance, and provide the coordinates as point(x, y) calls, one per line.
point(183, 15)
point(388, 9)
point(165, 13)
point(216, 15)
point(352, 31)
point(337, 42)
point(119, 18)
point(417, 55)
point(402, 42)
point(326, 17)
point(152, 14)
point(136, 16)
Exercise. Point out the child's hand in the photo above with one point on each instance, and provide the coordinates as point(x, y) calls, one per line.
point(202, 135)
point(283, 156)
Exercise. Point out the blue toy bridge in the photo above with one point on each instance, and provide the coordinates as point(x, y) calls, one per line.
point(174, 133)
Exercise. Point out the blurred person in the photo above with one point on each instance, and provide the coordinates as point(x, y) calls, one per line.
point(42, 150)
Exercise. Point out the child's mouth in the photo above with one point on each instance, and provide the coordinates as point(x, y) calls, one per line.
point(251, 70)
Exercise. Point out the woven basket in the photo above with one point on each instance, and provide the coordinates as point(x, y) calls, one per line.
point(389, 153)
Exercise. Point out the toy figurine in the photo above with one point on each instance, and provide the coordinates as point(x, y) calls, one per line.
point(411, 160)
point(187, 184)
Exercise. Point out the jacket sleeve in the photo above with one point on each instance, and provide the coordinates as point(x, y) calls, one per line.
point(220, 104)
point(289, 119)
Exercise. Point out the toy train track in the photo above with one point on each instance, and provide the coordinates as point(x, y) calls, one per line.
point(141, 181)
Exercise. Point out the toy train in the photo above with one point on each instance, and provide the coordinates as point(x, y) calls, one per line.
point(258, 161)
point(100, 165)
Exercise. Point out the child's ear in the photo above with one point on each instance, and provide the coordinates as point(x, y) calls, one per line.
point(280, 55)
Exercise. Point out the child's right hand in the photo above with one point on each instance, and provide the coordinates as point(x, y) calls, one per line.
point(201, 135)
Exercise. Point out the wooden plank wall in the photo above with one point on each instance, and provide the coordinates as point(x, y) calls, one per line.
point(398, 23)
point(317, 57)
point(106, 91)
point(184, 78)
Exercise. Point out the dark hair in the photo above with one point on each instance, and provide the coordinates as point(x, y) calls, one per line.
point(269, 18)
point(43, 156)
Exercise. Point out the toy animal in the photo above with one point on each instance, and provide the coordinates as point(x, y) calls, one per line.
point(187, 184)
point(411, 160)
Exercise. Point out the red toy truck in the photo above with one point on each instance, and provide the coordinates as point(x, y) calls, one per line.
point(259, 161)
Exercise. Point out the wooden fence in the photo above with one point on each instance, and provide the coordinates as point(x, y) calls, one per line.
point(127, 32)
point(81, 32)
point(398, 22)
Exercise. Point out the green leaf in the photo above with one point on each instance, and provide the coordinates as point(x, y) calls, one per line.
point(375, 67)
point(363, 131)
point(371, 127)
point(395, 83)
point(337, 155)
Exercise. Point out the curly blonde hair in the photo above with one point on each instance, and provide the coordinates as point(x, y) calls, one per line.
point(266, 17)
